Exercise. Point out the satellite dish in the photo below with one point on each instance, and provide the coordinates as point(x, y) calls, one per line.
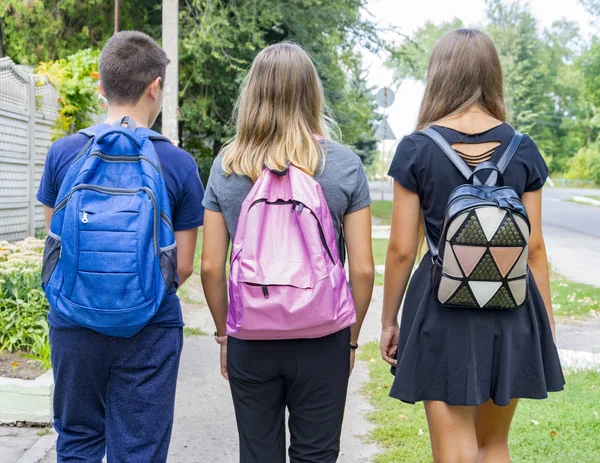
point(385, 97)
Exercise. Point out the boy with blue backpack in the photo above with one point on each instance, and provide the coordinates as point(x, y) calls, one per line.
point(123, 207)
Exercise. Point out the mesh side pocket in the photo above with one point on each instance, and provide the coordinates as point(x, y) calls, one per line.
point(168, 265)
point(51, 256)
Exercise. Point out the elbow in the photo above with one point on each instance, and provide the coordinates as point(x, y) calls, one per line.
point(537, 251)
point(210, 270)
point(364, 273)
point(184, 272)
point(400, 255)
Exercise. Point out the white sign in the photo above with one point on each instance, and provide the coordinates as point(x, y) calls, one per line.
point(385, 97)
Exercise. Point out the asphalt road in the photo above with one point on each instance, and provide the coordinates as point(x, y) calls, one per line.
point(571, 231)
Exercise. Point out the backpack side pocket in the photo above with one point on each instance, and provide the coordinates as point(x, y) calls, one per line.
point(52, 251)
point(168, 264)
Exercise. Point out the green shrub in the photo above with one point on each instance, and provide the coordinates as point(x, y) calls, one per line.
point(585, 165)
point(23, 305)
point(76, 80)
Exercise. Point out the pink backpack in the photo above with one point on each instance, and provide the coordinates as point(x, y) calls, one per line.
point(286, 279)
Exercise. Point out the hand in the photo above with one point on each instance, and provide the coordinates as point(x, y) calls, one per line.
point(224, 361)
point(389, 343)
point(352, 359)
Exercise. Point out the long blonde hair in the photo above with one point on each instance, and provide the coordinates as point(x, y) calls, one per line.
point(279, 114)
point(464, 70)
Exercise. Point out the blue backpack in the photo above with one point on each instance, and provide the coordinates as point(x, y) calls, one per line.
point(110, 254)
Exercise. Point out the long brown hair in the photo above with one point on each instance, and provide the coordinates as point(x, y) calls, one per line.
point(464, 70)
point(280, 109)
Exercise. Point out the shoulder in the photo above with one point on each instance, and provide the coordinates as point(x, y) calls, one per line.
point(173, 156)
point(69, 144)
point(342, 157)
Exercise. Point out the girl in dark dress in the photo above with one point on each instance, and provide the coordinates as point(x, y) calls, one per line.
point(468, 366)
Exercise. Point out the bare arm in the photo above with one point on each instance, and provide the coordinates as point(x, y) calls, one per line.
point(357, 234)
point(186, 248)
point(399, 262)
point(48, 211)
point(214, 258)
point(538, 259)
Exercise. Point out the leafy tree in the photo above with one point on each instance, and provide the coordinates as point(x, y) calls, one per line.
point(63, 27)
point(75, 79)
point(411, 59)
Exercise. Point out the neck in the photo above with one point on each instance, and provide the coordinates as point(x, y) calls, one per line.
point(139, 116)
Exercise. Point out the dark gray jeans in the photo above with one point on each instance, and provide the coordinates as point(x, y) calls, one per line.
point(309, 376)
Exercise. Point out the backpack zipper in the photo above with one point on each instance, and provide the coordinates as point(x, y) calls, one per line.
point(298, 207)
point(117, 191)
point(123, 158)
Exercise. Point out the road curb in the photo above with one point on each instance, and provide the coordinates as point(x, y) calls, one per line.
point(575, 360)
point(585, 200)
point(40, 449)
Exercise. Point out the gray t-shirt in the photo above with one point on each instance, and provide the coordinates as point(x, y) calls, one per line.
point(343, 181)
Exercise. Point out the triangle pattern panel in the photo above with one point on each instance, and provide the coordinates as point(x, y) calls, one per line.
point(502, 299)
point(520, 267)
point(508, 234)
point(505, 257)
point(522, 226)
point(471, 232)
point(455, 225)
point(518, 288)
point(486, 270)
point(468, 257)
point(463, 297)
point(447, 288)
point(490, 219)
point(484, 290)
point(451, 266)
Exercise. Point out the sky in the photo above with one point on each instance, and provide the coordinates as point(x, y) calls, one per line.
point(410, 15)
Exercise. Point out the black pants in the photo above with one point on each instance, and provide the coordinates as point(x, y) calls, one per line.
point(309, 376)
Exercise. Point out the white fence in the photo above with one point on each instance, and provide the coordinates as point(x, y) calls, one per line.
point(28, 110)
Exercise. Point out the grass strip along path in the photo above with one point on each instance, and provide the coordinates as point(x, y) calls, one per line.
point(563, 428)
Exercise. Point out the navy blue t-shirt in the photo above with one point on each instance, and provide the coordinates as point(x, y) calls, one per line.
point(180, 173)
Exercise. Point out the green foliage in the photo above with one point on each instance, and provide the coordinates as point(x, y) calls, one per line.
point(220, 39)
point(62, 27)
point(23, 305)
point(75, 77)
point(585, 165)
point(562, 428)
point(411, 59)
point(552, 83)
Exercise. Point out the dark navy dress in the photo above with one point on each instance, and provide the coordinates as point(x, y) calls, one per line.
point(467, 356)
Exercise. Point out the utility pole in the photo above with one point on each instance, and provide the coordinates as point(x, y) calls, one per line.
point(116, 16)
point(170, 39)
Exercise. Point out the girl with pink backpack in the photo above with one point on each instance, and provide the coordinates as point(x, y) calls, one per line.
point(291, 202)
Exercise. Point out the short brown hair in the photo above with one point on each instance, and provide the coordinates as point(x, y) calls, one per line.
point(129, 62)
point(464, 70)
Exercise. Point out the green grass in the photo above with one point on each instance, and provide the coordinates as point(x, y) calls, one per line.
point(189, 331)
point(383, 211)
point(567, 429)
point(597, 198)
point(379, 251)
point(572, 299)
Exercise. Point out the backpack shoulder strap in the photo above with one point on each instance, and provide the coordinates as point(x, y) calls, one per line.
point(458, 162)
point(510, 151)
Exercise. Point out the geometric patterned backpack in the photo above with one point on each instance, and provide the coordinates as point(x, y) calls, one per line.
point(481, 259)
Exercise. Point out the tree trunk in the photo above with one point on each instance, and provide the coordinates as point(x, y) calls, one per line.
point(170, 23)
point(2, 53)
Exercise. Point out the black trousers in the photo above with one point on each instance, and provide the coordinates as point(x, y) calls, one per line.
point(309, 376)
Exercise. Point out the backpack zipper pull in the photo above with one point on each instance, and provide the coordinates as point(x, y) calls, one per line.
point(300, 207)
point(294, 204)
point(265, 292)
point(84, 219)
